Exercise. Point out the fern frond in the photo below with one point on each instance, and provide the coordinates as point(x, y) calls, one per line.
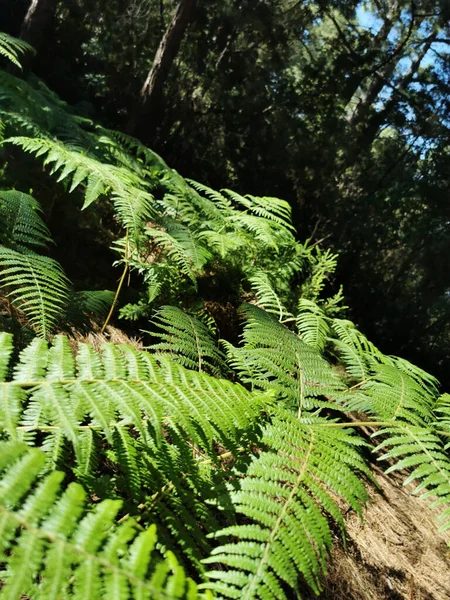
point(38, 287)
point(21, 225)
point(283, 498)
point(420, 450)
point(272, 357)
point(270, 209)
point(356, 352)
point(151, 428)
point(71, 165)
point(187, 340)
point(323, 264)
point(391, 394)
point(183, 247)
point(221, 201)
point(222, 242)
point(119, 388)
point(312, 323)
point(134, 208)
point(421, 377)
point(262, 229)
point(442, 414)
point(12, 48)
point(52, 547)
point(89, 302)
point(267, 297)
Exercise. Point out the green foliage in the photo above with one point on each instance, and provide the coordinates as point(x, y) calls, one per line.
point(54, 545)
point(273, 357)
point(312, 324)
point(286, 491)
point(35, 284)
point(52, 392)
point(246, 477)
point(21, 225)
point(175, 231)
point(420, 450)
point(39, 287)
point(266, 296)
point(187, 340)
point(12, 48)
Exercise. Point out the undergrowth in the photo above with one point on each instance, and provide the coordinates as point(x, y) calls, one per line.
point(196, 468)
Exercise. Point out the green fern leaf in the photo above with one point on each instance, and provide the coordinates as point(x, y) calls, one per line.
point(357, 353)
point(21, 225)
point(393, 395)
point(38, 287)
point(274, 358)
point(420, 450)
point(187, 340)
point(11, 48)
point(267, 296)
point(48, 534)
point(270, 209)
point(282, 498)
point(119, 389)
point(312, 324)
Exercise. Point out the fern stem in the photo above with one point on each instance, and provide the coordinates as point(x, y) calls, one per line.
point(220, 457)
point(119, 287)
point(360, 424)
point(359, 384)
point(302, 389)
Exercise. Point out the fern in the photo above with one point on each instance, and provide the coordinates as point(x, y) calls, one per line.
point(271, 209)
point(274, 358)
point(88, 303)
point(124, 407)
point(52, 547)
point(312, 324)
point(182, 247)
point(21, 225)
point(35, 284)
point(12, 48)
point(420, 450)
point(187, 340)
point(260, 472)
point(323, 265)
point(133, 203)
point(267, 296)
point(442, 414)
point(120, 388)
point(38, 287)
point(283, 497)
point(357, 353)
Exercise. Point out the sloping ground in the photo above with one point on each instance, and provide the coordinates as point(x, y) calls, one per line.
point(396, 553)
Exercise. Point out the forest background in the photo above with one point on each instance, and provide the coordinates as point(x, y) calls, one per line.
point(223, 452)
point(340, 107)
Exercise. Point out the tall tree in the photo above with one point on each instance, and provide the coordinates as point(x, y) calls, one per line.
point(35, 27)
point(148, 103)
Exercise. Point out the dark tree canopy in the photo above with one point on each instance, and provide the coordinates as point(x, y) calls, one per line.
point(340, 107)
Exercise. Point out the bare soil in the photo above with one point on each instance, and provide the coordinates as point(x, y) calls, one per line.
point(395, 553)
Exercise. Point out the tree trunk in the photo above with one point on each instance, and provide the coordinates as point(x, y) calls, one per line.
point(147, 107)
point(35, 28)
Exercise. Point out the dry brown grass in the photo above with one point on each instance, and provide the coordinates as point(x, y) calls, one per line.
point(95, 338)
point(396, 553)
